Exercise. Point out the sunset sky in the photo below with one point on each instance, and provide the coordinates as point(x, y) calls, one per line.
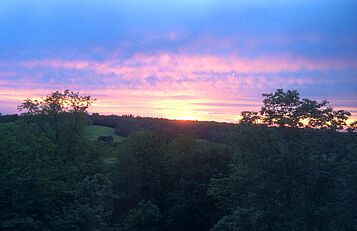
point(178, 59)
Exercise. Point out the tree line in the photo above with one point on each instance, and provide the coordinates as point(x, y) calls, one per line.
point(164, 175)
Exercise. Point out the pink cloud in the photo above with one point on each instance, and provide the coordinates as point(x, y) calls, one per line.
point(164, 64)
point(210, 90)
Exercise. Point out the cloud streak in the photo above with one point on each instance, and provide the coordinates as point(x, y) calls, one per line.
point(203, 59)
point(167, 85)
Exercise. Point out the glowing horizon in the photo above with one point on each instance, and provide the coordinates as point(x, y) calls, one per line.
point(206, 60)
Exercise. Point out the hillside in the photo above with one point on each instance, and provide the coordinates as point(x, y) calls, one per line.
point(95, 131)
point(126, 125)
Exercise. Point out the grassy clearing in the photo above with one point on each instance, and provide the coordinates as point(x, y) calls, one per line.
point(94, 131)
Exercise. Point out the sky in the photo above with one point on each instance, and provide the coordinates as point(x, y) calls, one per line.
point(178, 59)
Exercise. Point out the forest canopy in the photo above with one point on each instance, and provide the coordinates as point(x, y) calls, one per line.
point(286, 167)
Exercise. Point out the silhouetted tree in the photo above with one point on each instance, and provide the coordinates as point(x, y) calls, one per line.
point(280, 108)
point(56, 106)
point(352, 127)
point(286, 109)
point(249, 117)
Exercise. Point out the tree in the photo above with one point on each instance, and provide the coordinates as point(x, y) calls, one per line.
point(280, 108)
point(286, 109)
point(352, 127)
point(49, 183)
point(57, 102)
point(288, 179)
point(137, 176)
point(320, 115)
point(145, 217)
point(249, 117)
point(56, 106)
point(25, 194)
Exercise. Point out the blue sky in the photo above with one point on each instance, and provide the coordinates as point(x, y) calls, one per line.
point(179, 59)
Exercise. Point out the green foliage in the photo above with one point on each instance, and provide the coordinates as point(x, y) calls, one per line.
point(42, 186)
point(145, 217)
point(241, 219)
point(58, 115)
point(8, 118)
point(139, 170)
point(192, 164)
point(171, 176)
point(284, 179)
point(126, 125)
point(24, 176)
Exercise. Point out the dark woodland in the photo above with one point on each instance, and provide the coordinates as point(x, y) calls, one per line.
point(290, 166)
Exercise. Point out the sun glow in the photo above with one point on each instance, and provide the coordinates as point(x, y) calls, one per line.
point(180, 109)
point(187, 117)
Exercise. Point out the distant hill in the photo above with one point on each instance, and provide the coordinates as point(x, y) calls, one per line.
point(125, 125)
